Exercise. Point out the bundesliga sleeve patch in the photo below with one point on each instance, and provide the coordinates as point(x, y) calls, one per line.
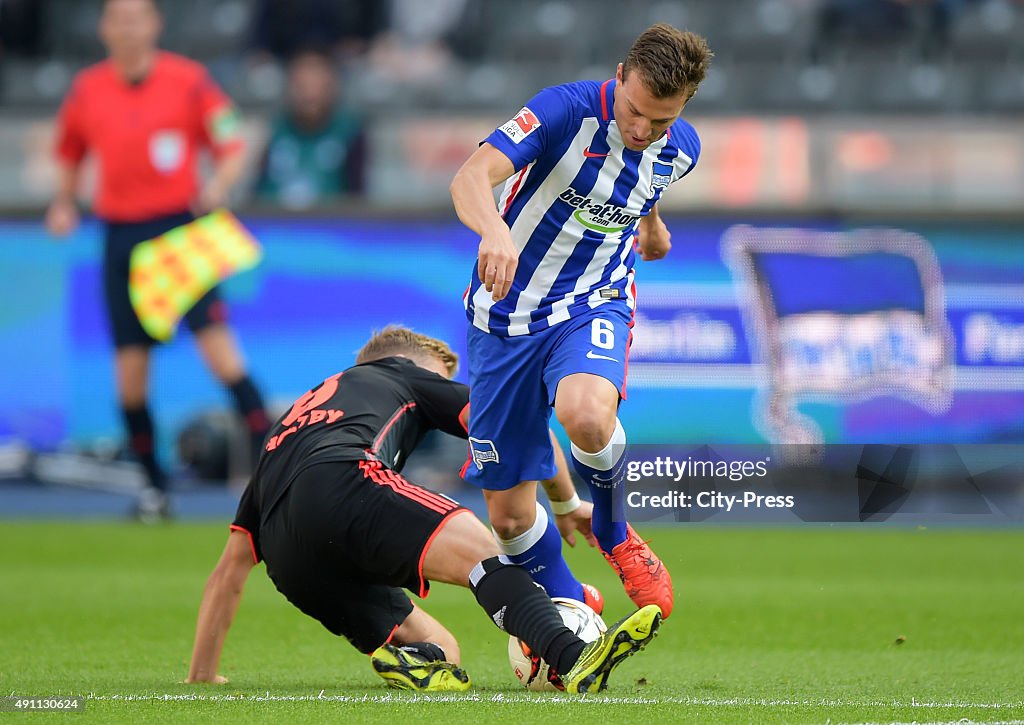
point(524, 123)
point(225, 125)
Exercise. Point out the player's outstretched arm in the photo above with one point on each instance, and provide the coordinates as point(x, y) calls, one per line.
point(474, 203)
point(216, 612)
point(419, 626)
point(571, 514)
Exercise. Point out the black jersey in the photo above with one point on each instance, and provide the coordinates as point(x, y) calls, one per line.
point(378, 411)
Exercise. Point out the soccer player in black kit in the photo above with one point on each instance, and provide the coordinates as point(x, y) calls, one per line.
point(342, 532)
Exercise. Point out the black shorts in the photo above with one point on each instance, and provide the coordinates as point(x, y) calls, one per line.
point(344, 540)
point(121, 238)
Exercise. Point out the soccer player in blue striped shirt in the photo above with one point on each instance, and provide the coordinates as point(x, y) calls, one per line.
point(551, 300)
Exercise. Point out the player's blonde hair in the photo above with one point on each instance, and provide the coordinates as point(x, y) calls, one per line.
point(398, 340)
point(670, 61)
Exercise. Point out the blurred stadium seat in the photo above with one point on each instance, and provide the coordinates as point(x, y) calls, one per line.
point(1002, 87)
point(764, 31)
point(210, 29)
point(772, 55)
point(71, 25)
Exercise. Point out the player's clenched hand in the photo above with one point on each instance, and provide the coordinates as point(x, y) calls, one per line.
point(496, 264)
point(61, 218)
point(578, 520)
point(653, 238)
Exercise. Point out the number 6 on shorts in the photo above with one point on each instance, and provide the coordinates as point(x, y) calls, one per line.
point(602, 334)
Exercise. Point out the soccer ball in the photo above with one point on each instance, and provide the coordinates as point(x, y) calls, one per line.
point(532, 671)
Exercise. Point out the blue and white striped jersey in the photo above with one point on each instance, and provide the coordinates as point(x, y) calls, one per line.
point(573, 206)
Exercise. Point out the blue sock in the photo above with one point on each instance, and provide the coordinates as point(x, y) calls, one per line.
point(604, 473)
point(539, 551)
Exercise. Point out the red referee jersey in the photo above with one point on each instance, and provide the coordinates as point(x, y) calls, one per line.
point(146, 135)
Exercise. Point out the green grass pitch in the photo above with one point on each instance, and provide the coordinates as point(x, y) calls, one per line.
point(817, 624)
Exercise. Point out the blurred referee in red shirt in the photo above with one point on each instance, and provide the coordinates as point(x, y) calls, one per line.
point(146, 114)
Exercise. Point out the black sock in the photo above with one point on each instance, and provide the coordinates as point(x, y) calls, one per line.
point(140, 440)
point(249, 404)
point(523, 609)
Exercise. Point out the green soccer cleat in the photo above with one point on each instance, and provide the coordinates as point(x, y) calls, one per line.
point(405, 670)
point(600, 657)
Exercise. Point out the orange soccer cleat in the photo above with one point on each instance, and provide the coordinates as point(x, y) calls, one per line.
point(645, 578)
point(592, 598)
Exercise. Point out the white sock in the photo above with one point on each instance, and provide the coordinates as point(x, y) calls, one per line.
point(525, 540)
point(606, 458)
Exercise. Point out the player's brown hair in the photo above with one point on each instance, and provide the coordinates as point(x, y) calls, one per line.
point(398, 340)
point(670, 61)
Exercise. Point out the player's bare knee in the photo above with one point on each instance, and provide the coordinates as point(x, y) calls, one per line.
point(590, 427)
point(512, 512)
point(587, 406)
point(510, 525)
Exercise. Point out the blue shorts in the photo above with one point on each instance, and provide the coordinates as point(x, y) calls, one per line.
point(512, 385)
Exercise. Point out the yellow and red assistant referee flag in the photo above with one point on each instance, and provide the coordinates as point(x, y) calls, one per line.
point(171, 272)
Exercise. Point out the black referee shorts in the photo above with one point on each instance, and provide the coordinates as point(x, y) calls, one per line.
point(344, 540)
point(121, 238)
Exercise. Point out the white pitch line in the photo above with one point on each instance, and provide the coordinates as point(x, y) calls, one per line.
point(964, 721)
point(554, 700)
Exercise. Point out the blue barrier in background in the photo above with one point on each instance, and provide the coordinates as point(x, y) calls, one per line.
point(325, 284)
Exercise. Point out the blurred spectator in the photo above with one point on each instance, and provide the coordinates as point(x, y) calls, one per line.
point(282, 28)
point(862, 20)
point(21, 27)
point(921, 26)
point(316, 152)
point(424, 37)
